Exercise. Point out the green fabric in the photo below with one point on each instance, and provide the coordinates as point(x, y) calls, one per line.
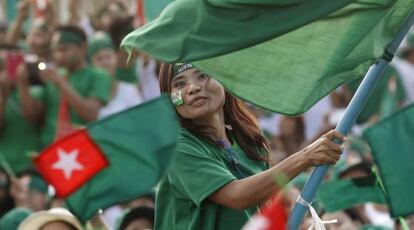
point(392, 145)
point(342, 194)
point(152, 9)
point(389, 103)
point(280, 71)
point(374, 104)
point(89, 83)
point(139, 144)
point(11, 10)
point(12, 219)
point(38, 184)
point(198, 170)
point(374, 227)
point(99, 40)
point(18, 137)
point(127, 75)
point(339, 167)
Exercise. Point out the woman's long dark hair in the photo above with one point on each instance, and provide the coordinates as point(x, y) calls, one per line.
point(244, 126)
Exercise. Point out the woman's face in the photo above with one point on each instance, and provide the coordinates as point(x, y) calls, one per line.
point(202, 96)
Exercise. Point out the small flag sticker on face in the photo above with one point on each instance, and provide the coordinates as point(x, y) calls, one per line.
point(176, 98)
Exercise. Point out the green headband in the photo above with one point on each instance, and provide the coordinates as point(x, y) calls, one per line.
point(181, 67)
point(67, 37)
point(99, 40)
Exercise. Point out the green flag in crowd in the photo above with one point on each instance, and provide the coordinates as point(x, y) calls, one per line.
point(114, 160)
point(392, 145)
point(280, 55)
point(342, 194)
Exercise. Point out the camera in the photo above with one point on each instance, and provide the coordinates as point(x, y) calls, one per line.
point(34, 65)
point(14, 57)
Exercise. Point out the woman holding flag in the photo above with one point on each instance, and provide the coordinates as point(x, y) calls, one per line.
point(221, 174)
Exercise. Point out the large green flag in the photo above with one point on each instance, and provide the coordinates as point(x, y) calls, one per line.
point(114, 160)
point(342, 194)
point(153, 8)
point(392, 145)
point(281, 55)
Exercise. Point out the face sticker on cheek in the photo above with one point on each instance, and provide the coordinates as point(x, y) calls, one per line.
point(177, 98)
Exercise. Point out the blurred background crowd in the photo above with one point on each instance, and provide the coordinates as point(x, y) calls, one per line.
point(71, 48)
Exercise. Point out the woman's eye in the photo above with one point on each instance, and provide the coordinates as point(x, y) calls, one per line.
point(202, 77)
point(179, 84)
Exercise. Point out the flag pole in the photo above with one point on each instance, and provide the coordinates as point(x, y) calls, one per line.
point(357, 103)
point(6, 166)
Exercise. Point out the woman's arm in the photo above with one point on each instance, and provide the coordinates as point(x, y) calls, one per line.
point(14, 32)
point(244, 193)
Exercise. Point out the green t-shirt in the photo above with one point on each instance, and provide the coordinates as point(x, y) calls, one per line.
point(373, 106)
point(18, 137)
point(89, 83)
point(198, 170)
point(127, 75)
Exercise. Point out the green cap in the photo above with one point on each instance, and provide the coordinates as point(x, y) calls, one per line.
point(99, 40)
point(38, 184)
point(12, 219)
point(68, 37)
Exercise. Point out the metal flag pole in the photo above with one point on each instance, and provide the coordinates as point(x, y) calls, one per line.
point(348, 119)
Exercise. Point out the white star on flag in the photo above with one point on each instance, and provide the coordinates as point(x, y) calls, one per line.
point(67, 162)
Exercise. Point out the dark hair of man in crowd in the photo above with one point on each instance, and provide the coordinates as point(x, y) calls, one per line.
point(30, 171)
point(244, 126)
point(361, 169)
point(119, 28)
point(364, 167)
point(7, 202)
point(74, 30)
point(136, 214)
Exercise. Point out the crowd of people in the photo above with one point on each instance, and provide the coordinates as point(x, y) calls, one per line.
point(55, 78)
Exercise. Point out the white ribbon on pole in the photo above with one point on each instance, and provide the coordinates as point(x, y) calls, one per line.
point(317, 222)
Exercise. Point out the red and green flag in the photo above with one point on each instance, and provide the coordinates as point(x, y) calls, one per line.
point(280, 55)
point(114, 160)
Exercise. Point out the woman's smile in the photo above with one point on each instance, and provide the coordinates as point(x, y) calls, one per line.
point(198, 101)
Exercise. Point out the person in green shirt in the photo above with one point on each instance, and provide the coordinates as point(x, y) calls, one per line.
point(18, 137)
point(220, 173)
point(73, 92)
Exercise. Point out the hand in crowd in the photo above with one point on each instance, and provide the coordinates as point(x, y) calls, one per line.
point(5, 85)
point(19, 190)
point(23, 8)
point(22, 74)
point(324, 150)
point(51, 74)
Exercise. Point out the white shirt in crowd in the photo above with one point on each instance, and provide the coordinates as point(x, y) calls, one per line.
point(406, 70)
point(127, 95)
point(148, 80)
